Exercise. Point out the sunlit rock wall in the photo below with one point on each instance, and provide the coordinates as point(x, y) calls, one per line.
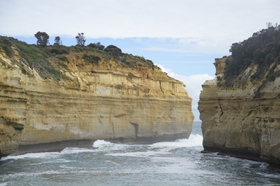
point(104, 101)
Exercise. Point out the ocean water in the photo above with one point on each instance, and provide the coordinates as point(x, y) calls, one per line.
point(166, 163)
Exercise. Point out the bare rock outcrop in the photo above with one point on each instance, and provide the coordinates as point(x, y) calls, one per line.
point(76, 101)
point(242, 118)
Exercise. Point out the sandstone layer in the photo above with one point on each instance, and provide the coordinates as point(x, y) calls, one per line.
point(242, 119)
point(104, 100)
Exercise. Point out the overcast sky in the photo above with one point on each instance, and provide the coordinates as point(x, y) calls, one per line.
point(181, 36)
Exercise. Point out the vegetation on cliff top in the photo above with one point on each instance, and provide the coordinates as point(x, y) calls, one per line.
point(42, 38)
point(50, 60)
point(262, 49)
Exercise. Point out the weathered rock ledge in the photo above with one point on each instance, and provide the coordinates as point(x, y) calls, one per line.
point(242, 119)
point(104, 100)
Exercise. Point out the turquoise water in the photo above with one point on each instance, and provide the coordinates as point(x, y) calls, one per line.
point(165, 163)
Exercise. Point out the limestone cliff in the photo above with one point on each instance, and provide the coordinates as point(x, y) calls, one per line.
point(240, 110)
point(49, 96)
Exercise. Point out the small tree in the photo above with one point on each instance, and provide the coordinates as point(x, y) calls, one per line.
point(57, 41)
point(269, 24)
point(42, 38)
point(80, 39)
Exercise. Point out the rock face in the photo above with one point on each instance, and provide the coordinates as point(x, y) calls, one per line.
point(242, 119)
point(104, 100)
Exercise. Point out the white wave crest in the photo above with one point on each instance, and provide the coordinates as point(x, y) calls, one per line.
point(103, 145)
point(75, 150)
point(49, 155)
point(193, 141)
point(163, 147)
point(33, 155)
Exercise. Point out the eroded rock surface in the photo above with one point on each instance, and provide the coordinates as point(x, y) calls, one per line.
point(242, 119)
point(104, 100)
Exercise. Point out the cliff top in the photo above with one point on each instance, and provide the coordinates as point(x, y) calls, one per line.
point(50, 61)
point(252, 60)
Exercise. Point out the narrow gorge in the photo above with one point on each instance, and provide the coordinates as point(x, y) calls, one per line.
point(58, 96)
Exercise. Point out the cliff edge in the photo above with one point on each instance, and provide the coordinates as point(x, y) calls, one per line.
point(56, 96)
point(239, 109)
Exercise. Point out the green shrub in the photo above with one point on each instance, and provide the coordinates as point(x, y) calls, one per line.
point(150, 63)
point(63, 58)
point(263, 48)
point(31, 52)
point(114, 51)
point(59, 50)
point(63, 65)
point(91, 58)
point(6, 45)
